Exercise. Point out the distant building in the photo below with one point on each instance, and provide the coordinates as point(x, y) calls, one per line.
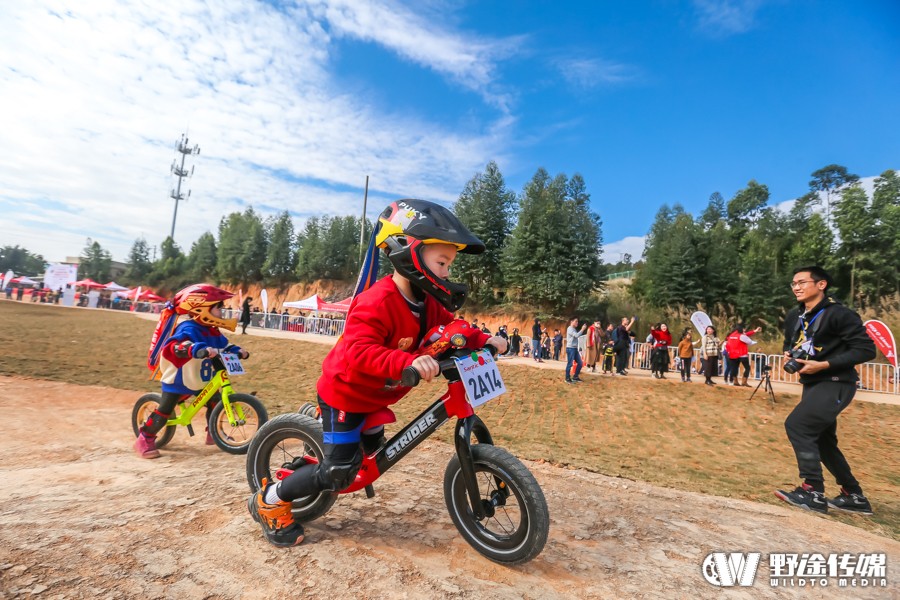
point(116, 268)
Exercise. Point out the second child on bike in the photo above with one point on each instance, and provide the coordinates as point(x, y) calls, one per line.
point(197, 314)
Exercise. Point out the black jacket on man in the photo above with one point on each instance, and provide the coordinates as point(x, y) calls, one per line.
point(838, 335)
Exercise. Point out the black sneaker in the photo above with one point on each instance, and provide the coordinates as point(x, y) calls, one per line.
point(568, 380)
point(805, 497)
point(577, 379)
point(856, 503)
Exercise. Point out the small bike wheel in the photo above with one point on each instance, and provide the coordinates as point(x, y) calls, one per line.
point(517, 520)
point(142, 410)
point(289, 441)
point(235, 439)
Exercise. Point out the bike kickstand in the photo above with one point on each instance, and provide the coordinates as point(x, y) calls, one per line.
point(370, 491)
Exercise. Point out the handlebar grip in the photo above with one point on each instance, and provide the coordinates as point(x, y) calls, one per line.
point(410, 377)
point(491, 349)
point(202, 353)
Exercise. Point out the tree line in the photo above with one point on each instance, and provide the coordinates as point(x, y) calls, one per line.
point(543, 246)
point(736, 258)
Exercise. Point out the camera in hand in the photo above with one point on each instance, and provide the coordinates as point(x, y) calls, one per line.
point(792, 366)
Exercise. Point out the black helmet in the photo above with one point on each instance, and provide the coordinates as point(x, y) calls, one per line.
point(406, 226)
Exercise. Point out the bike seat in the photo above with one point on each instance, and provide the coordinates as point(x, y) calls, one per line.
point(382, 416)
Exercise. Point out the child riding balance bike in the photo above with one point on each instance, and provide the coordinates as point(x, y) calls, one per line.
point(190, 354)
point(364, 372)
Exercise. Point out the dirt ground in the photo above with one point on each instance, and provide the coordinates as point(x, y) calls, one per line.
point(82, 517)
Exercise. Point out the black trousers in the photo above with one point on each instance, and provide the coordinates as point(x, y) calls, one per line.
point(622, 359)
point(686, 367)
point(711, 368)
point(812, 430)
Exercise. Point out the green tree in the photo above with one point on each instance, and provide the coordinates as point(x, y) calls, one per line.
point(310, 263)
point(673, 271)
point(139, 264)
point(21, 261)
point(202, 259)
point(745, 209)
point(857, 228)
point(171, 268)
point(829, 180)
point(886, 209)
point(242, 247)
point(553, 254)
point(486, 208)
point(281, 260)
point(95, 262)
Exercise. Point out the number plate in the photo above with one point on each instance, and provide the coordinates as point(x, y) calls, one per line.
point(232, 363)
point(481, 377)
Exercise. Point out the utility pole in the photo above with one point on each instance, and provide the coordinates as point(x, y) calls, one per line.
point(184, 148)
point(362, 225)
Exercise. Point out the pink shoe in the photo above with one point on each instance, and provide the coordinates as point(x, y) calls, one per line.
point(209, 440)
point(145, 447)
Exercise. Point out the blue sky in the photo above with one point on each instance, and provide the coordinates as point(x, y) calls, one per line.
point(294, 103)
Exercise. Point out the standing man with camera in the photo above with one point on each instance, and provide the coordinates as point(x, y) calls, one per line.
point(823, 342)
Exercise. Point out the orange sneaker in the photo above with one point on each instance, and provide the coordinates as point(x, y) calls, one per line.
point(276, 520)
point(145, 447)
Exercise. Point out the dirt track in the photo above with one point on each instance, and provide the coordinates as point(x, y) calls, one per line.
point(82, 517)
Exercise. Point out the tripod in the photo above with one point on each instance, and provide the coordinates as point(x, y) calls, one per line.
point(765, 379)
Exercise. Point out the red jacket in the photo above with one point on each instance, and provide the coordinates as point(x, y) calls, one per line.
point(734, 346)
point(381, 337)
point(661, 339)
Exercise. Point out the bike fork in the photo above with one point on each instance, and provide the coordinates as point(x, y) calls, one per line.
point(467, 464)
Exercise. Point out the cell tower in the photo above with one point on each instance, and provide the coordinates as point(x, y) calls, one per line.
point(181, 172)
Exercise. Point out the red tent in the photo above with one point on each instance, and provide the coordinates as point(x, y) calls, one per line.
point(89, 283)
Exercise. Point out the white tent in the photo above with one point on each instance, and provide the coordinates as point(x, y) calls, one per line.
point(311, 303)
point(112, 285)
point(315, 303)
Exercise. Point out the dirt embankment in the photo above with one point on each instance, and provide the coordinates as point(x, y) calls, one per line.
point(82, 517)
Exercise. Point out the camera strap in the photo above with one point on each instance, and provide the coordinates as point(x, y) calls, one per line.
point(808, 329)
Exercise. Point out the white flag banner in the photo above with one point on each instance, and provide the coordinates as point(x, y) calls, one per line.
point(701, 321)
point(264, 296)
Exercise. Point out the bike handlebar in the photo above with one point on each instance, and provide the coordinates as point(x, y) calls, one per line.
point(410, 377)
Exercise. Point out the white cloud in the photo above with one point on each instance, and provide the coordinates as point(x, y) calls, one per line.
point(587, 73)
point(96, 93)
point(726, 17)
point(616, 251)
point(468, 60)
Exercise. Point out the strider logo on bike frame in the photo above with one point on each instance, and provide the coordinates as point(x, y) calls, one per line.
point(420, 427)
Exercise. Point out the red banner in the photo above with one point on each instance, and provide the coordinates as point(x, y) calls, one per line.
point(883, 338)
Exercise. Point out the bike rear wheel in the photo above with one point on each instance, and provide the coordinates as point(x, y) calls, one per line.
point(289, 441)
point(517, 520)
point(235, 439)
point(142, 410)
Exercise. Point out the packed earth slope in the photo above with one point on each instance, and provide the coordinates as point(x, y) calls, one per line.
point(82, 517)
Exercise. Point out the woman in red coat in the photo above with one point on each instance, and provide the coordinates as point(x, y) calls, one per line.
point(659, 356)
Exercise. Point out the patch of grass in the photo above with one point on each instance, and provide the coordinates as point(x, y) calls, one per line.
point(689, 437)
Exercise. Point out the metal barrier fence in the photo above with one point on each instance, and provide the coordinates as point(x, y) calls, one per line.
point(874, 377)
point(296, 324)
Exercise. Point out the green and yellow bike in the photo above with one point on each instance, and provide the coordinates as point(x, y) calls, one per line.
point(233, 420)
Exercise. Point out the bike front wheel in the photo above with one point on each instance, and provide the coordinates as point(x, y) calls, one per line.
point(142, 410)
point(235, 439)
point(289, 441)
point(517, 520)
